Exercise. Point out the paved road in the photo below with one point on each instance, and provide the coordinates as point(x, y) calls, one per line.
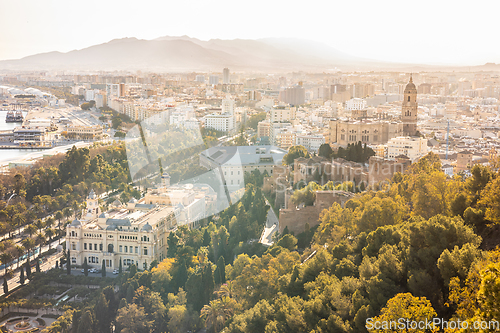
point(272, 226)
point(50, 263)
point(78, 271)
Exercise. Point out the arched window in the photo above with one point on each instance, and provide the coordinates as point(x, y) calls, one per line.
point(408, 98)
point(110, 248)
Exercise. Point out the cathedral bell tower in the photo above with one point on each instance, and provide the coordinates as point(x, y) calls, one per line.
point(409, 109)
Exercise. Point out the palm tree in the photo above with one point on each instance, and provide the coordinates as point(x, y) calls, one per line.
point(5, 258)
point(18, 252)
point(18, 220)
point(227, 308)
point(67, 212)
point(212, 314)
point(28, 244)
point(30, 229)
point(49, 233)
point(40, 240)
point(75, 207)
point(39, 224)
point(59, 216)
point(226, 290)
point(49, 222)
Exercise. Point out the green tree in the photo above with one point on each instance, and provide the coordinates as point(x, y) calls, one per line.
point(103, 269)
point(28, 269)
point(288, 242)
point(133, 270)
point(220, 271)
point(68, 263)
point(207, 280)
point(85, 267)
point(325, 150)
point(133, 319)
point(103, 315)
point(293, 153)
point(255, 119)
point(5, 286)
point(20, 185)
point(490, 200)
point(404, 306)
point(21, 277)
point(86, 323)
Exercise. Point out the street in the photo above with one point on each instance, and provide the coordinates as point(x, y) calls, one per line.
point(50, 263)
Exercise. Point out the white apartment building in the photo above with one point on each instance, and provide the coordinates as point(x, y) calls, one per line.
point(100, 100)
point(224, 121)
point(220, 122)
point(311, 142)
point(412, 147)
point(355, 104)
point(285, 138)
point(281, 113)
point(275, 129)
point(225, 76)
point(227, 106)
point(213, 79)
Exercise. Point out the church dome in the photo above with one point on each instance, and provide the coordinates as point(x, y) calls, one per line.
point(147, 227)
point(410, 85)
point(75, 223)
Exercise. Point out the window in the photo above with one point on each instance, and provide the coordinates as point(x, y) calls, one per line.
point(120, 249)
point(73, 260)
point(100, 247)
point(145, 251)
point(84, 246)
point(136, 249)
point(73, 246)
point(126, 248)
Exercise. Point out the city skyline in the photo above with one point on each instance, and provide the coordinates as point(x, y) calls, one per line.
point(427, 33)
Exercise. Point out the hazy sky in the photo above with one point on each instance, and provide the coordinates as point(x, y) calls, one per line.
point(403, 31)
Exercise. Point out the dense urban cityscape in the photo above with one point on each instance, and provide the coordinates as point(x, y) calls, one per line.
point(237, 182)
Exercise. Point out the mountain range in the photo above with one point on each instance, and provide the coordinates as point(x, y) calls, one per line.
point(181, 54)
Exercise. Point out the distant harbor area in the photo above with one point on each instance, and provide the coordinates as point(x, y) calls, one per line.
point(34, 123)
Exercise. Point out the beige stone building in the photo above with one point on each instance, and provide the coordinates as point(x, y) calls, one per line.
point(409, 109)
point(464, 161)
point(132, 233)
point(296, 219)
point(263, 128)
point(369, 131)
point(84, 132)
point(280, 113)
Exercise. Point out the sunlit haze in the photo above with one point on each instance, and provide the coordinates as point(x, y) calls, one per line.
point(420, 32)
